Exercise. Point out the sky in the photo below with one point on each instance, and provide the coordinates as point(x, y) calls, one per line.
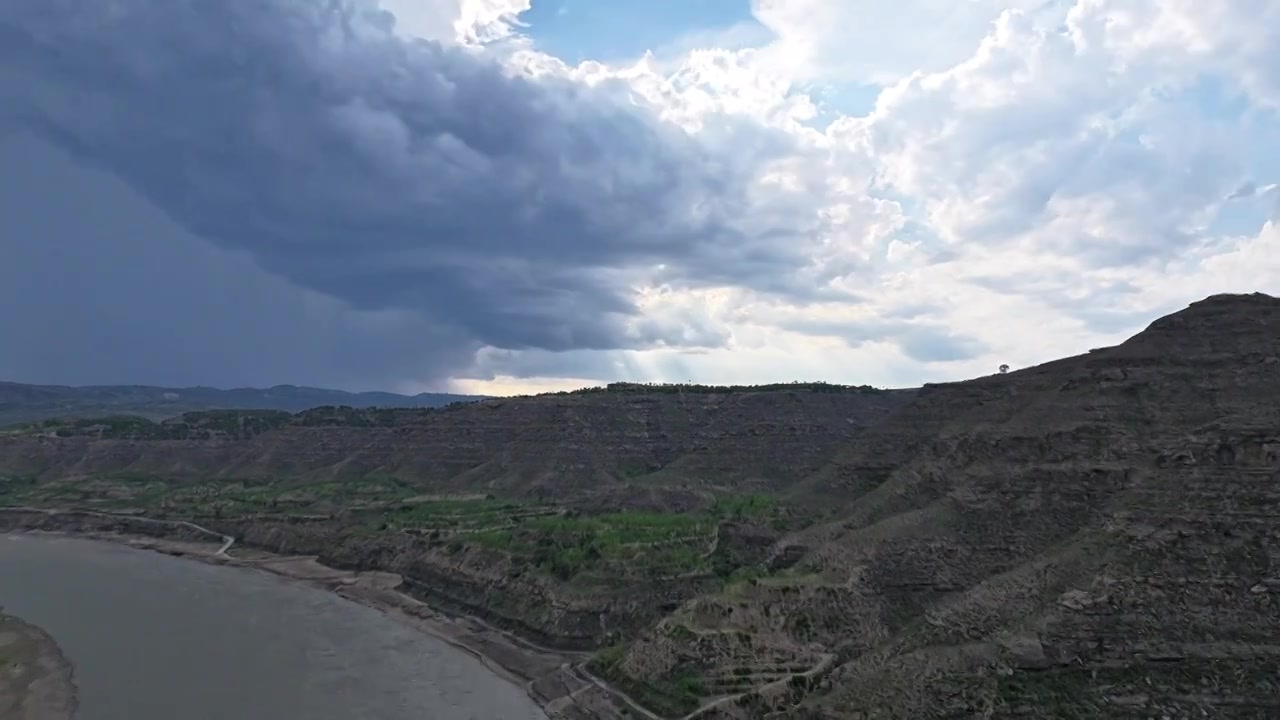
point(505, 196)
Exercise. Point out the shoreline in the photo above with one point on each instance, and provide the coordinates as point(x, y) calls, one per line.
point(554, 680)
point(37, 681)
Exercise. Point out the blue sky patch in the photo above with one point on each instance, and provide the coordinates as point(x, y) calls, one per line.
point(577, 30)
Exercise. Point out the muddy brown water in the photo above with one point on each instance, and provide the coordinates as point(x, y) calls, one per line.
point(154, 637)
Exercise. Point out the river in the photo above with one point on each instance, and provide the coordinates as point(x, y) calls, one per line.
point(155, 637)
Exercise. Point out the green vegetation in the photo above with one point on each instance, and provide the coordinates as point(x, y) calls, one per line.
point(203, 425)
point(672, 696)
point(236, 424)
point(478, 515)
point(754, 506)
point(586, 551)
point(347, 416)
point(603, 549)
point(591, 550)
point(743, 576)
point(675, 695)
point(15, 490)
point(757, 508)
point(627, 544)
point(607, 659)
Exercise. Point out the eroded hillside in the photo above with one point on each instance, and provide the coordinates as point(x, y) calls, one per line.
point(575, 519)
point(1097, 537)
point(1094, 537)
point(571, 444)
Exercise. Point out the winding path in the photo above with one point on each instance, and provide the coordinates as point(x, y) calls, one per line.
point(582, 672)
point(227, 540)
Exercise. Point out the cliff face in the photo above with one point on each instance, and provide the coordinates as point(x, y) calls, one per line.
point(1094, 537)
point(560, 444)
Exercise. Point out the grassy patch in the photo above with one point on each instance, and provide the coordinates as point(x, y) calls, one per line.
point(103, 492)
point(480, 516)
point(672, 696)
point(627, 543)
point(743, 576)
point(606, 660)
point(592, 550)
point(16, 490)
point(750, 506)
point(200, 425)
point(622, 529)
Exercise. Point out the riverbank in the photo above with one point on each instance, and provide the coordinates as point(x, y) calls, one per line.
point(555, 680)
point(36, 679)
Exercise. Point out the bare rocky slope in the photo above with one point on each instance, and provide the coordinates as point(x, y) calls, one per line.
point(1096, 537)
point(570, 445)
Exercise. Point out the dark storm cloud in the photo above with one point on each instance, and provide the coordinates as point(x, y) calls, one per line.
point(98, 286)
point(393, 178)
point(583, 364)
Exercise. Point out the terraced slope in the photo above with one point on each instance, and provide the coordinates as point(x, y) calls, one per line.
point(1095, 537)
point(565, 444)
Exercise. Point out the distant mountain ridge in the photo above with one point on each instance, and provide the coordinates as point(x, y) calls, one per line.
point(27, 403)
